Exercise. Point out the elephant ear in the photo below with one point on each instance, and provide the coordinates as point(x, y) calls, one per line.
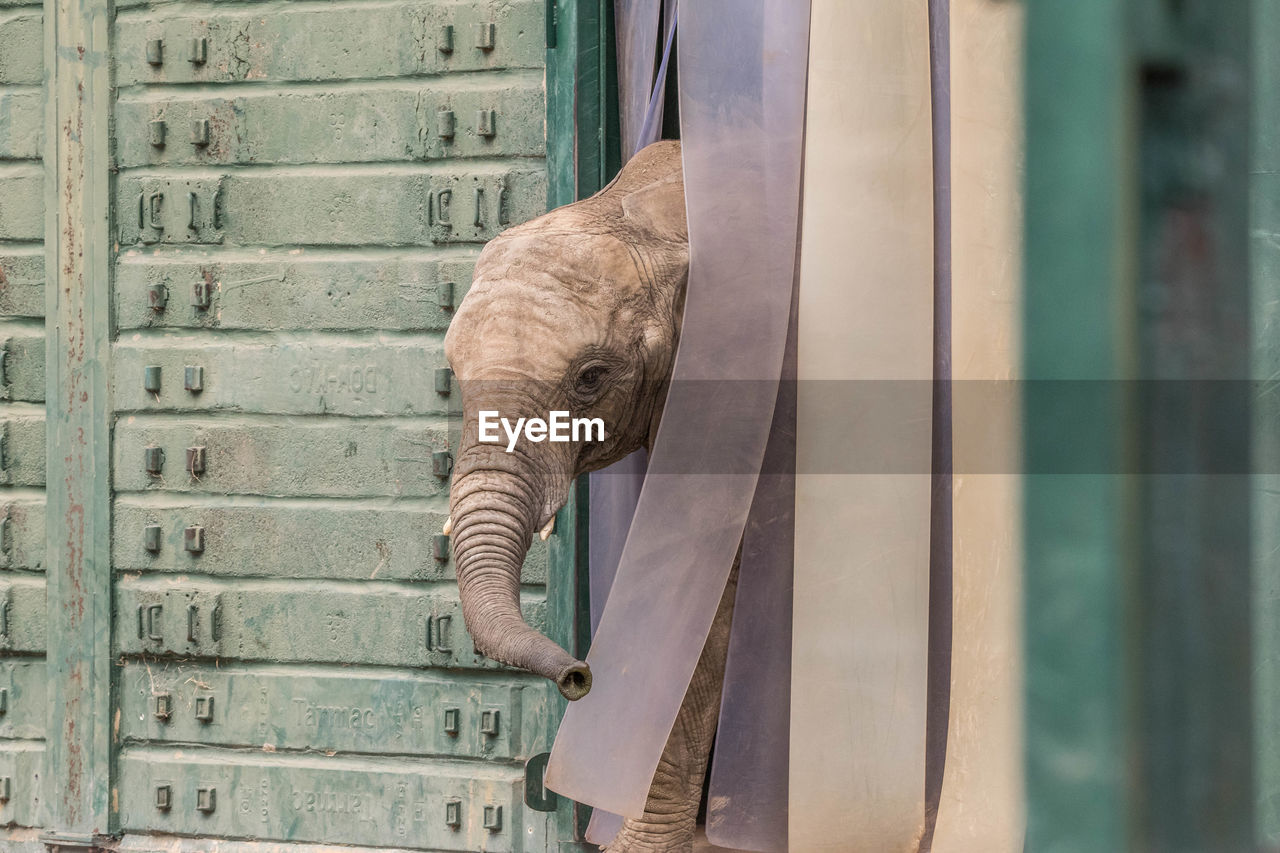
point(655, 212)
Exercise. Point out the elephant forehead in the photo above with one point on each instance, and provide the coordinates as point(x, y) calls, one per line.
point(551, 257)
point(503, 333)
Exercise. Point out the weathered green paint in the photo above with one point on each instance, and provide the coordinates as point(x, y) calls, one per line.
point(23, 762)
point(24, 683)
point(352, 539)
point(340, 622)
point(365, 457)
point(22, 281)
point(329, 206)
point(333, 229)
point(77, 208)
point(1264, 228)
point(22, 614)
point(22, 534)
point(22, 436)
point(365, 711)
point(387, 124)
point(1079, 297)
point(343, 42)
point(22, 371)
point(309, 376)
point(23, 621)
point(21, 119)
point(315, 289)
point(21, 45)
point(21, 202)
point(400, 803)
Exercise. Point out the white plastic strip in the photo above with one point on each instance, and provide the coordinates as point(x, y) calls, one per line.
point(742, 172)
point(860, 625)
point(982, 800)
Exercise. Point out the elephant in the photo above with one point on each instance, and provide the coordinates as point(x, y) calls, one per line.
point(578, 310)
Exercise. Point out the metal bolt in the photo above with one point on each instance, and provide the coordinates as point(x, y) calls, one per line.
point(489, 722)
point(204, 709)
point(4, 701)
point(485, 34)
point(444, 380)
point(157, 132)
point(151, 537)
point(193, 379)
point(200, 294)
point(453, 813)
point(444, 295)
point(195, 461)
point(155, 51)
point(153, 459)
point(440, 547)
point(164, 707)
point(206, 799)
point(493, 818)
point(451, 718)
point(193, 539)
point(151, 378)
point(445, 42)
point(444, 124)
point(199, 51)
point(486, 121)
point(6, 789)
point(442, 463)
point(157, 297)
point(164, 797)
point(200, 131)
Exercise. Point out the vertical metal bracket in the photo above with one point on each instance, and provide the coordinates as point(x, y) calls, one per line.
point(537, 795)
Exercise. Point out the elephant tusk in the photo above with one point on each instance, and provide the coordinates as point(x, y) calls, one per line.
point(545, 533)
point(448, 526)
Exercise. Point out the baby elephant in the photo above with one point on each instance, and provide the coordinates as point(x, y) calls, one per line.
point(577, 311)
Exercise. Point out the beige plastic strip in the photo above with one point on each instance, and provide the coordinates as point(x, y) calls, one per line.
point(981, 809)
point(862, 539)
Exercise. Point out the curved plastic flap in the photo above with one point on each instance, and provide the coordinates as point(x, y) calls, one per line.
point(858, 690)
point(742, 170)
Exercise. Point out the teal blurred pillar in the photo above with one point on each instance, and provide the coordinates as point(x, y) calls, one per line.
point(1265, 258)
point(1138, 345)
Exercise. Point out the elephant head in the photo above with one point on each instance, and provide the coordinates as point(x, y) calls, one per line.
point(578, 311)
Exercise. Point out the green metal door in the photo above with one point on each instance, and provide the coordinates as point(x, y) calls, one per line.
point(23, 634)
point(250, 230)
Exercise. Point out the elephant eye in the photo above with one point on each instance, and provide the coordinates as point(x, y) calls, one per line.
point(590, 379)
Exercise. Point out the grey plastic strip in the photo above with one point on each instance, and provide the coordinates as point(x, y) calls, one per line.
point(742, 174)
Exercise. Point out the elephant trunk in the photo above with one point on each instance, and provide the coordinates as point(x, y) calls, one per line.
point(496, 507)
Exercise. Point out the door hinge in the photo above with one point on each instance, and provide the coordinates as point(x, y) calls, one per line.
point(552, 24)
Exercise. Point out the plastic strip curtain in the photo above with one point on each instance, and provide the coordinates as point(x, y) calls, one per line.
point(742, 100)
point(981, 806)
point(636, 26)
point(864, 436)
point(747, 797)
point(615, 492)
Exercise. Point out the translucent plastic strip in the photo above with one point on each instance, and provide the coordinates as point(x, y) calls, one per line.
point(982, 800)
point(636, 28)
point(742, 71)
point(858, 689)
point(615, 491)
point(747, 800)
